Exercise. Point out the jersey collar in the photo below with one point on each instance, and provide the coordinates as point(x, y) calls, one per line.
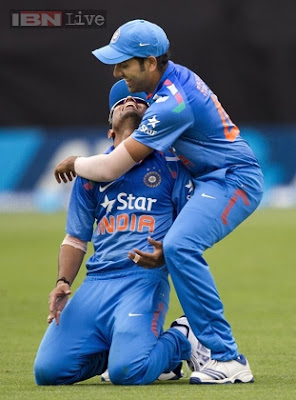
point(170, 69)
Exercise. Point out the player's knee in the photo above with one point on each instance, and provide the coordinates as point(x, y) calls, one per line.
point(127, 374)
point(44, 373)
point(176, 251)
point(121, 375)
point(49, 371)
point(171, 248)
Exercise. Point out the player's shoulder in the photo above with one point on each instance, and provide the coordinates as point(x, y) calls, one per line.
point(171, 98)
point(172, 163)
point(86, 185)
point(178, 78)
point(162, 157)
point(170, 157)
point(183, 82)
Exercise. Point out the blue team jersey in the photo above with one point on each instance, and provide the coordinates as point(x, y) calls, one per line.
point(187, 117)
point(143, 202)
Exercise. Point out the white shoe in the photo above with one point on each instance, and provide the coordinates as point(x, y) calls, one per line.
point(169, 376)
point(200, 354)
point(105, 376)
point(234, 371)
point(173, 375)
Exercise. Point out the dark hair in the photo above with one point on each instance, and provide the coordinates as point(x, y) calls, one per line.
point(161, 61)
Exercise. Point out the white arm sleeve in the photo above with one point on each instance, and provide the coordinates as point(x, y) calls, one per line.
point(105, 167)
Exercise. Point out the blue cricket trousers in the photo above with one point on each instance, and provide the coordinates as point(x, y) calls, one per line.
point(214, 210)
point(116, 321)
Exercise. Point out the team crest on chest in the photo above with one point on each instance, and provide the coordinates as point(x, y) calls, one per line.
point(152, 179)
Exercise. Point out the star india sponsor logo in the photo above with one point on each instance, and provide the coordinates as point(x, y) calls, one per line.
point(129, 201)
point(144, 128)
point(126, 220)
point(152, 122)
point(58, 19)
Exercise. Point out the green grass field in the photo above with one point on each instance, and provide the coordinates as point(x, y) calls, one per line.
point(255, 272)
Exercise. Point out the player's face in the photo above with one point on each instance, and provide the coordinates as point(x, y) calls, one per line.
point(139, 78)
point(130, 106)
point(126, 118)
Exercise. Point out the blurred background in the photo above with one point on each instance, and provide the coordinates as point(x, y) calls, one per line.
point(54, 93)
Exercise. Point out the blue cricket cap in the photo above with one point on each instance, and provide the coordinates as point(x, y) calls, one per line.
point(119, 92)
point(137, 38)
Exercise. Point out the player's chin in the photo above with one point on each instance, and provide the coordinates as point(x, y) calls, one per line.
point(134, 115)
point(132, 86)
point(129, 85)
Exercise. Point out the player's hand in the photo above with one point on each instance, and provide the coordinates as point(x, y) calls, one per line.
point(65, 169)
point(148, 260)
point(57, 301)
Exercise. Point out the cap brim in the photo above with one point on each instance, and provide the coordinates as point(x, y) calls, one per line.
point(109, 55)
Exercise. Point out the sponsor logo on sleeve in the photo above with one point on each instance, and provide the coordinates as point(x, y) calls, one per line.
point(153, 121)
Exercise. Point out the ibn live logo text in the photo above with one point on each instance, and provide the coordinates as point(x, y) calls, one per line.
point(57, 18)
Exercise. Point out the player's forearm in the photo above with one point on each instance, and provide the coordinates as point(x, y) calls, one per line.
point(70, 260)
point(105, 167)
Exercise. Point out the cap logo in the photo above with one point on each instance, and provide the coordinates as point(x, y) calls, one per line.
point(144, 44)
point(115, 36)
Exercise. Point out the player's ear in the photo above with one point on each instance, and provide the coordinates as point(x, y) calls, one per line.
point(151, 63)
point(111, 134)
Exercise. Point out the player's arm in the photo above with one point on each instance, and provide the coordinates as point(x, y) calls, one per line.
point(103, 167)
point(70, 259)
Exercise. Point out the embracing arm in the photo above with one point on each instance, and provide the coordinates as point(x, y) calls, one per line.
point(103, 167)
point(70, 260)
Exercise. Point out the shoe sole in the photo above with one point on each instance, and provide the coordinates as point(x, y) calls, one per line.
point(242, 378)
